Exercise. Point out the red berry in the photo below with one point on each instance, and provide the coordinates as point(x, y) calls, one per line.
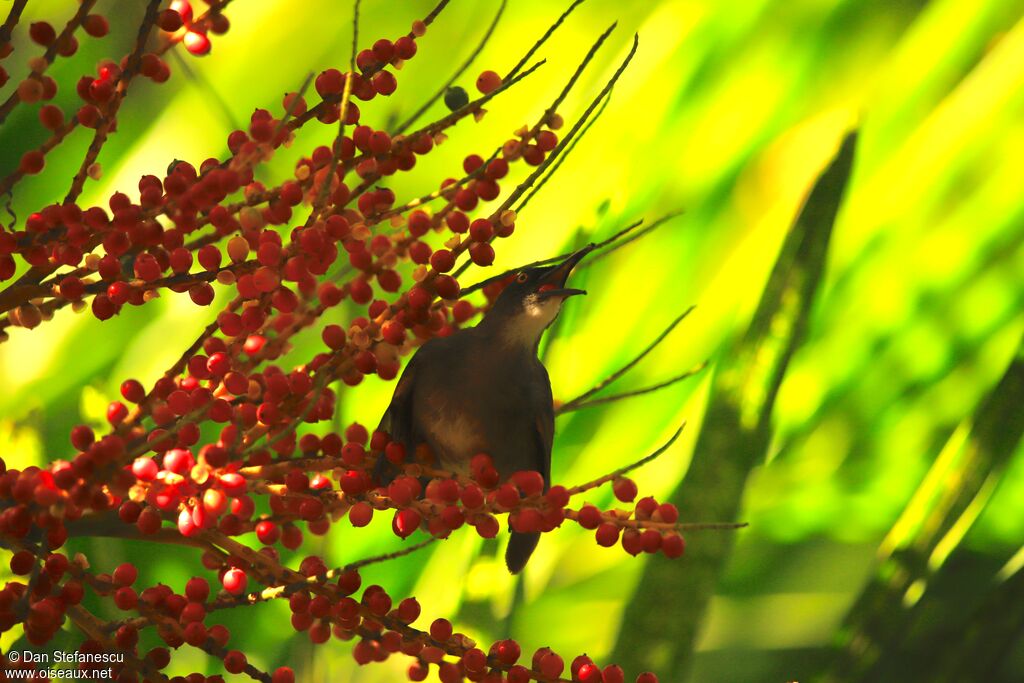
point(234, 580)
point(405, 47)
point(673, 545)
point(409, 610)
point(442, 260)
point(384, 83)
point(481, 230)
point(126, 573)
point(405, 522)
point(329, 82)
point(625, 489)
point(186, 526)
point(607, 534)
point(647, 677)
point(51, 116)
point(457, 222)
point(169, 20)
point(22, 562)
point(447, 287)
point(419, 298)
point(82, 437)
point(632, 542)
point(267, 532)
point(472, 163)
point(645, 507)
point(42, 33)
point(488, 82)
point(551, 665)
point(357, 433)
point(474, 660)
point(197, 589)
point(334, 337)
point(589, 517)
point(589, 673)
point(613, 673)
point(482, 254)
point(519, 674)
point(547, 140)
point(234, 662)
point(441, 630)
point(96, 25)
point(651, 540)
point(196, 43)
point(558, 496)
point(149, 521)
point(32, 162)
point(126, 598)
point(283, 674)
point(666, 512)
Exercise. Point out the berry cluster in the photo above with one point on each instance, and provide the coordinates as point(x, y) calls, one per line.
point(227, 429)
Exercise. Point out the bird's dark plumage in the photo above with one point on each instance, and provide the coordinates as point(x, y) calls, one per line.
point(483, 390)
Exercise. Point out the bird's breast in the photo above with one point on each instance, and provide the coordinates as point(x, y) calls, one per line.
point(457, 437)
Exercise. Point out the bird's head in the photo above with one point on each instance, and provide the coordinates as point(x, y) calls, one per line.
point(532, 300)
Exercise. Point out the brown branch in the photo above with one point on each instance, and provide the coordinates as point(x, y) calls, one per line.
point(91, 626)
point(48, 56)
point(12, 20)
point(109, 525)
point(103, 129)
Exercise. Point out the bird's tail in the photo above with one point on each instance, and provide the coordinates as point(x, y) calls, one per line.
point(520, 547)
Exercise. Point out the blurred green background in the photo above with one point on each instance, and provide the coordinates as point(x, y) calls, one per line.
point(729, 111)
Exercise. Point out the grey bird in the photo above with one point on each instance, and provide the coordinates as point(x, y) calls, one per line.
point(484, 390)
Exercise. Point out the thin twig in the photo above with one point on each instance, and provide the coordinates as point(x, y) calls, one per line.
point(8, 183)
point(628, 468)
point(605, 92)
point(712, 526)
point(565, 141)
point(542, 40)
point(590, 261)
point(455, 76)
point(283, 591)
point(572, 405)
point(629, 394)
point(562, 158)
point(547, 261)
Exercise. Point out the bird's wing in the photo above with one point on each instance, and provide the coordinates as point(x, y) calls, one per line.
point(521, 545)
point(397, 420)
point(545, 425)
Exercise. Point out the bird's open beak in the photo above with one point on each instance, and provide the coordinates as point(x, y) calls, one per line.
point(553, 283)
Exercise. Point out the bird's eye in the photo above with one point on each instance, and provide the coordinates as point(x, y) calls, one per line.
point(522, 277)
